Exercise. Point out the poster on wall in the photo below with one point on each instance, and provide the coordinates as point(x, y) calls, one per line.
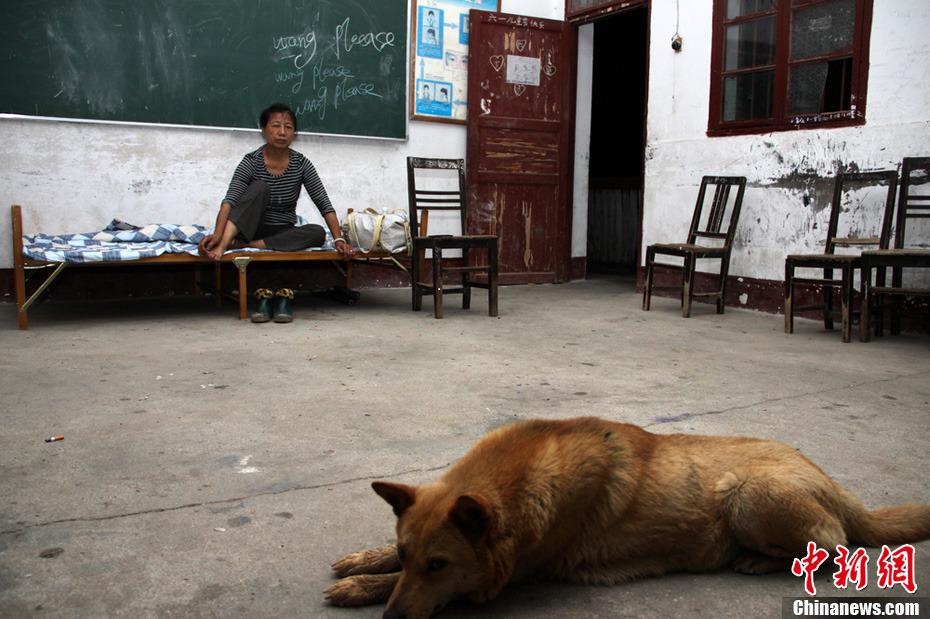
point(439, 58)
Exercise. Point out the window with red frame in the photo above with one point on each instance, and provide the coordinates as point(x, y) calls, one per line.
point(788, 64)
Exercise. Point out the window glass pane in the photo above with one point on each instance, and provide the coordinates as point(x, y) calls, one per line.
point(739, 8)
point(823, 29)
point(750, 44)
point(748, 96)
point(820, 87)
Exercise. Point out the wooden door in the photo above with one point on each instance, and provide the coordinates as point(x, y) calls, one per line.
point(520, 90)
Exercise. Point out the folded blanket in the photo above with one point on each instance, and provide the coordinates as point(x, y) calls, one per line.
point(152, 232)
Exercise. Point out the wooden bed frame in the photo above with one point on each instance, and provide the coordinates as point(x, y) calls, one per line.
point(241, 260)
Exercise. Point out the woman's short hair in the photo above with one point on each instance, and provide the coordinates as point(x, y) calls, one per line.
point(277, 108)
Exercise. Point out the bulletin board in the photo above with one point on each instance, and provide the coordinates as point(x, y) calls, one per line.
point(439, 58)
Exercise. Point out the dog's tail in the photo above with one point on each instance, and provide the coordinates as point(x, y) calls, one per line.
point(889, 526)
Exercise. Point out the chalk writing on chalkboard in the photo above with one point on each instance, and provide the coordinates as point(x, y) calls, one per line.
point(340, 65)
point(331, 81)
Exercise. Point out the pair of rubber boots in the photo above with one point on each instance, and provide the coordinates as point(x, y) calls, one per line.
point(273, 304)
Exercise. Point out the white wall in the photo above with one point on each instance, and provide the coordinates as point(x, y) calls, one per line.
point(76, 177)
point(775, 220)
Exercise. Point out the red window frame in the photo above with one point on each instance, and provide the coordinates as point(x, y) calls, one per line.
point(852, 59)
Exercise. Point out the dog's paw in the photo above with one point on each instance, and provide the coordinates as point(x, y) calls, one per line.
point(377, 561)
point(346, 592)
point(756, 563)
point(361, 590)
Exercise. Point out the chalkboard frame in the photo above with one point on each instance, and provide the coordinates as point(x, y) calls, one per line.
point(357, 87)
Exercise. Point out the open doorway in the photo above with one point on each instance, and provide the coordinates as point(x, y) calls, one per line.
point(618, 120)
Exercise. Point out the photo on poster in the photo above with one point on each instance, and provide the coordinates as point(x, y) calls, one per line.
point(434, 98)
point(463, 29)
point(429, 32)
point(456, 61)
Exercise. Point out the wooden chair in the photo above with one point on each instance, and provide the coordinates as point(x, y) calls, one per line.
point(847, 263)
point(910, 252)
point(707, 239)
point(426, 192)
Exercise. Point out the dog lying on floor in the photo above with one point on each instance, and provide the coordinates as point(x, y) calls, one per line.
point(593, 501)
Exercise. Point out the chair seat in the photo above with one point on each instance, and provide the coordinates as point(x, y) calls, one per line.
point(826, 259)
point(895, 254)
point(688, 249)
point(453, 242)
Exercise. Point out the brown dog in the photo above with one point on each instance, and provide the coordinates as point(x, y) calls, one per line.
point(593, 501)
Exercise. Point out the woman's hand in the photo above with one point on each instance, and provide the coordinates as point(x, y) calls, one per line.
point(207, 243)
point(347, 251)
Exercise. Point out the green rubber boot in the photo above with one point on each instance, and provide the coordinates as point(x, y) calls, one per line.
point(262, 312)
point(282, 305)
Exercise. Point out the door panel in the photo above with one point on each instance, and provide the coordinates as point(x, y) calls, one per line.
point(520, 89)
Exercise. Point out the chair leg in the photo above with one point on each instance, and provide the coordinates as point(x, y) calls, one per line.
point(846, 303)
point(864, 305)
point(828, 301)
point(415, 273)
point(789, 294)
point(466, 282)
point(647, 283)
point(492, 280)
point(687, 288)
point(880, 301)
point(898, 300)
point(437, 282)
point(722, 291)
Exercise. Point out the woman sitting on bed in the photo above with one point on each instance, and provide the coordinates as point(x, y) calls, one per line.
point(260, 207)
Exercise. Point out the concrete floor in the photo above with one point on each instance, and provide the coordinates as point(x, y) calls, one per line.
point(213, 467)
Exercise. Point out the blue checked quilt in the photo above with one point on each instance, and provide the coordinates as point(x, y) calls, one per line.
point(120, 242)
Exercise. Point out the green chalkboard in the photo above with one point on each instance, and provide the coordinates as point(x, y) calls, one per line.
point(340, 64)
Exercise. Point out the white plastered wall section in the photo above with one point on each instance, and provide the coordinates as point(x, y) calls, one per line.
point(775, 220)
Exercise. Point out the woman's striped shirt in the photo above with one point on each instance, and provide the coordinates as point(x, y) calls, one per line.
point(285, 187)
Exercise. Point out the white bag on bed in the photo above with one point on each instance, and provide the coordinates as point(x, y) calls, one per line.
point(371, 230)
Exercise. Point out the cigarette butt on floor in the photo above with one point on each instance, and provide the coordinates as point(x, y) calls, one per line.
point(52, 439)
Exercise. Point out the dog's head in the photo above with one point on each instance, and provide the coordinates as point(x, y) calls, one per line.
point(442, 545)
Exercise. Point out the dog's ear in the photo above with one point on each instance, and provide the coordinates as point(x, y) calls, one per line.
point(398, 495)
point(472, 515)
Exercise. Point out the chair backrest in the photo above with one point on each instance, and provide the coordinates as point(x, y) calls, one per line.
point(708, 224)
point(844, 189)
point(440, 186)
point(914, 201)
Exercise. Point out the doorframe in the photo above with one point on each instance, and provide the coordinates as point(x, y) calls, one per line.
point(608, 9)
point(597, 9)
point(570, 120)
